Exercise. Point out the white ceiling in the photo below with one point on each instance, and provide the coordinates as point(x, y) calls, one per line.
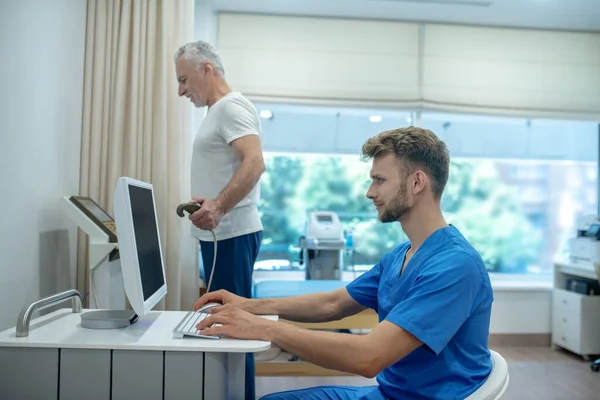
point(581, 15)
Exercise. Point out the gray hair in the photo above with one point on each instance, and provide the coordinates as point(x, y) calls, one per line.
point(199, 52)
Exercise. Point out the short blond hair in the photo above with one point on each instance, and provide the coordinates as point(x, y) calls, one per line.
point(418, 148)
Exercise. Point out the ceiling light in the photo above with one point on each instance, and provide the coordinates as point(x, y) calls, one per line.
point(266, 114)
point(375, 118)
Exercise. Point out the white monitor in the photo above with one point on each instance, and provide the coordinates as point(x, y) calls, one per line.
point(142, 264)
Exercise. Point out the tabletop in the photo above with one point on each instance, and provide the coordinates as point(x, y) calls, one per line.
point(154, 331)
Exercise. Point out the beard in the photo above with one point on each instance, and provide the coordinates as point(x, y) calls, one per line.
point(396, 209)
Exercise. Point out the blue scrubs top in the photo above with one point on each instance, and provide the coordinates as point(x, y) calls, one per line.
point(444, 298)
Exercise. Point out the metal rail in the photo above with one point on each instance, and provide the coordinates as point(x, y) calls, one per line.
point(25, 316)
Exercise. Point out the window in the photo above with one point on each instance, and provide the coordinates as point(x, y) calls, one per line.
point(295, 184)
point(515, 187)
point(526, 181)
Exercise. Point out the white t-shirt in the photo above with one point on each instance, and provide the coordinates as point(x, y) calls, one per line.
point(214, 163)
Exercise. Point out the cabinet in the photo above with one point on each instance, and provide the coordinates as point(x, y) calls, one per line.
point(575, 317)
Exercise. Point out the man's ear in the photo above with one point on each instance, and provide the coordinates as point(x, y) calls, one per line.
point(419, 182)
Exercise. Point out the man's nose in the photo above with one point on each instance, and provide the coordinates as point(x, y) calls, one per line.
point(181, 91)
point(370, 194)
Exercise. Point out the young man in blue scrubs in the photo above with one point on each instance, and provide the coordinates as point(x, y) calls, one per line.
point(432, 293)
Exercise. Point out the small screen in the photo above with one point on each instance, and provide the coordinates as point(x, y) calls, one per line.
point(324, 218)
point(593, 229)
point(146, 240)
point(95, 210)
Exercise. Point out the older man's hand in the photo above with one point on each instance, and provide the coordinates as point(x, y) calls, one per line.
point(209, 215)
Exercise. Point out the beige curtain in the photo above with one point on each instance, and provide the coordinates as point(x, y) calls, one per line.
point(134, 124)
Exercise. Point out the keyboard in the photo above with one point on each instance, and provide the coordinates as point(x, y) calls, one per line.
point(187, 326)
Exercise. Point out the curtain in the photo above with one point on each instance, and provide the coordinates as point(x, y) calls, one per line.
point(412, 65)
point(135, 125)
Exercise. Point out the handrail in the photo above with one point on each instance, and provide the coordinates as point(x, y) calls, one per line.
point(25, 316)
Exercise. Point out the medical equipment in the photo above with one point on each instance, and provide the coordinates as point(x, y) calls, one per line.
point(323, 246)
point(130, 241)
point(139, 244)
point(104, 278)
point(585, 247)
point(136, 272)
point(191, 208)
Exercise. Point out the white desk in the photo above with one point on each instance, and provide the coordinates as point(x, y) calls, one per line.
point(61, 360)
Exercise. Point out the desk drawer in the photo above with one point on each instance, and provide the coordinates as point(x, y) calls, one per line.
point(566, 332)
point(566, 319)
point(568, 303)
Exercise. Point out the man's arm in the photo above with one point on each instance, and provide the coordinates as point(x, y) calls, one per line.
point(365, 355)
point(314, 307)
point(240, 129)
point(249, 151)
point(358, 295)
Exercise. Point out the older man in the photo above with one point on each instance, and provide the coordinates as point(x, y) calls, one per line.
point(227, 163)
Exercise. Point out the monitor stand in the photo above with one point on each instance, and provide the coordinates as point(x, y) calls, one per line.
point(108, 319)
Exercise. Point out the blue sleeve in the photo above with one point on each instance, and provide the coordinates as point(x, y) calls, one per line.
point(443, 297)
point(364, 288)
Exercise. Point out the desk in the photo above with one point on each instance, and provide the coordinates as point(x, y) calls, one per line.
point(61, 360)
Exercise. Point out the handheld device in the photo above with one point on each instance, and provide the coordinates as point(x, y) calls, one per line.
point(191, 208)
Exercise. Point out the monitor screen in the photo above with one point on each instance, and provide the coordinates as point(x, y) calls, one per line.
point(324, 218)
point(146, 239)
point(95, 210)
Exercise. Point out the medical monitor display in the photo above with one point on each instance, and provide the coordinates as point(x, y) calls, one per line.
point(324, 219)
point(139, 244)
point(146, 240)
point(593, 231)
point(93, 208)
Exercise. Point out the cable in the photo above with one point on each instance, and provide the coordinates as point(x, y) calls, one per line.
point(191, 208)
point(93, 290)
point(212, 271)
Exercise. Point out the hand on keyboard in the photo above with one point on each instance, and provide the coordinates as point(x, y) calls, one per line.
point(187, 326)
point(238, 324)
point(227, 299)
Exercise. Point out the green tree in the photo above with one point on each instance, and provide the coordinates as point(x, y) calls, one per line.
point(278, 191)
point(488, 213)
point(475, 200)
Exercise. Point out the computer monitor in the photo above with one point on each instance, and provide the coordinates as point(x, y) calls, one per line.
point(139, 244)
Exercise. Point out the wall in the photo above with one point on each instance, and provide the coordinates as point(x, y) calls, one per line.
point(526, 310)
point(205, 29)
point(41, 75)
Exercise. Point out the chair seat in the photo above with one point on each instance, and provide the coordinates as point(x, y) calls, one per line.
point(496, 383)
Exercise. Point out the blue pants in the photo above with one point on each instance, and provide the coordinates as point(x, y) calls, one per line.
point(233, 272)
point(329, 393)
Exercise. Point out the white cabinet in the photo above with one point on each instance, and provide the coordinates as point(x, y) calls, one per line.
point(575, 317)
